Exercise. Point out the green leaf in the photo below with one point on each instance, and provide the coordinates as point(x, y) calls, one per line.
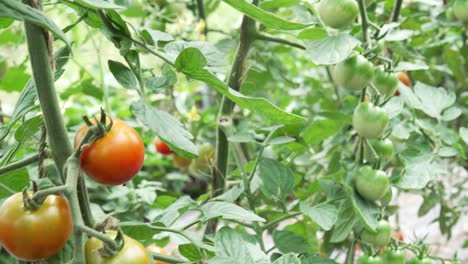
point(228, 211)
point(324, 214)
point(263, 17)
point(15, 181)
point(28, 129)
point(345, 223)
point(99, 4)
point(319, 130)
point(6, 22)
point(192, 60)
point(276, 179)
point(139, 231)
point(175, 210)
point(234, 247)
point(169, 129)
point(256, 105)
point(409, 66)
point(313, 34)
point(15, 79)
point(287, 259)
point(190, 251)
point(315, 259)
point(464, 134)
point(366, 211)
point(287, 242)
point(419, 169)
point(123, 75)
point(166, 80)
point(19, 11)
point(270, 4)
point(332, 49)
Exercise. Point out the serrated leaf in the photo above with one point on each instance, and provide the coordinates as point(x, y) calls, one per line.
point(287, 259)
point(276, 179)
point(175, 210)
point(267, 19)
point(169, 129)
point(287, 242)
point(419, 169)
point(324, 214)
point(228, 211)
point(332, 49)
point(190, 251)
point(257, 105)
point(19, 11)
point(366, 211)
point(123, 75)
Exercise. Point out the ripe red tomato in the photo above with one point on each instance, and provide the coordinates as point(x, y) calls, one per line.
point(159, 250)
point(34, 235)
point(114, 158)
point(162, 147)
point(404, 78)
point(133, 252)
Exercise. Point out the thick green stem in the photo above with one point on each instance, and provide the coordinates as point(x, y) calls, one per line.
point(59, 144)
point(247, 36)
point(19, 164)
point(364, 23)
point(167, 259)
point(202, 15)
point(396, 10)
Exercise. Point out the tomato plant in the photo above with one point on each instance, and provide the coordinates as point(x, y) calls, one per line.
point(369, 120)
point(380, 237)
point(338, 13)
point(162, 147)
point(386, 83)
point(354, 73)
point(371, 184)
point(114, 158)
point(391, 256)
point(132, 252)
point(34, 235)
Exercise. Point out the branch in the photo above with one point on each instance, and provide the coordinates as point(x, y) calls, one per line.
point(202, 16)
point(19, 164)
point(396, 10)
point(364, 22)
point(260, 36)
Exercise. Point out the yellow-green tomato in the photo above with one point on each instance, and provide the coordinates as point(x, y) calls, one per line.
point(369, 120)
point(460, 9)
point(380, 237)
point(133, 252)
point(371, 184)
point(338, 13)
point(354, 73)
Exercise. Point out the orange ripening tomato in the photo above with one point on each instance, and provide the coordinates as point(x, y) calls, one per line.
point(397, 235)
point(116, 157)
point(162, 147)
point(35, 235)
point(159, 250)
point(404, 78)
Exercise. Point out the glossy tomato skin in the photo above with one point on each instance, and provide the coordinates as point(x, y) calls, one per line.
point(154, 248)
point(162, 147)
point(386, 83)
point(354, 73)
point(114, 158)
point(181, 162)
point(371, 184)
point(404, 78)
point(393, 257)
point(380, 237)
point(338, 13)
point(34, 235)
point(460, 9)
point(133, 252)
point(366, 259)
point(383, 148)
point(369, 121)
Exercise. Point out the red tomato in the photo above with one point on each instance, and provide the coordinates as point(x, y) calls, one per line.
point(34, 235)
point(114, 158)
point(162, 147)
point(404, 78)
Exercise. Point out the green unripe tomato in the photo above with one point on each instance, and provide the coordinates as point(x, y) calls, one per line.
point(380, 237)
point(371, 184)
point(460, 9)
point(393, 257)
point(383, 149)
point(416, 260)
point(366, 259)
point(386, 83)
point(338, 13)
point(369, 121)
point(387, 198)
point(354, 73)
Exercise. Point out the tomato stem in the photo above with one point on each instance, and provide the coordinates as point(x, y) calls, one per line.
point(19, 164)
point(107, 240)
point(364, 23)
point(396, 10)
